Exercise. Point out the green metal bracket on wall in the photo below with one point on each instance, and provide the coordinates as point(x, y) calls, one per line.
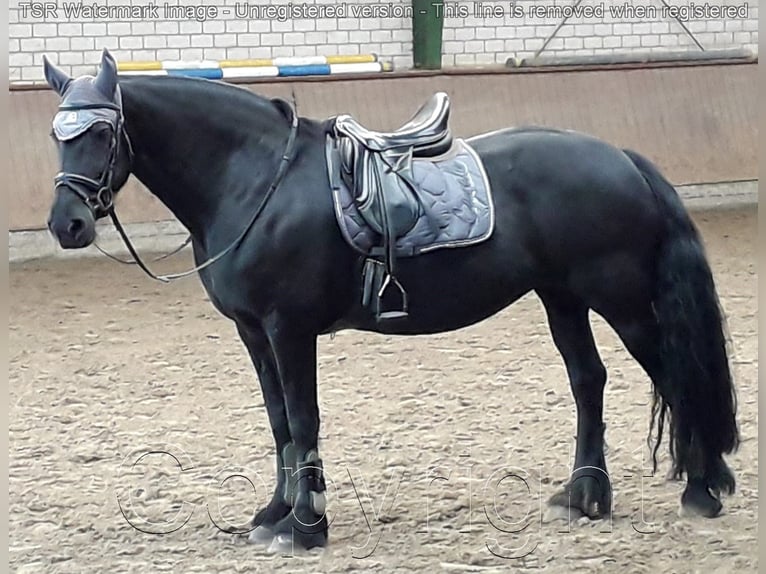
point(427, 26)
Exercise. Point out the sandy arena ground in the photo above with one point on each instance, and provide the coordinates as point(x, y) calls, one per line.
point(425, 440)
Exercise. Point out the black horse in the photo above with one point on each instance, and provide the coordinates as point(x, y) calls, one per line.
point(584, 225)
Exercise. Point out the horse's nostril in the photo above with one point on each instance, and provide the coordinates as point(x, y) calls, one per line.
point(76, 226)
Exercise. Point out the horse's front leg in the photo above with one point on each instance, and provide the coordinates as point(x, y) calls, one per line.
point(295, 351)
point(259, 347)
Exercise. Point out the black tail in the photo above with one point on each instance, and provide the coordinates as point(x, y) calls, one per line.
point(697, 394)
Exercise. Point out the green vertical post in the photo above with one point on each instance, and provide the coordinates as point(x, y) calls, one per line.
point(427, 25)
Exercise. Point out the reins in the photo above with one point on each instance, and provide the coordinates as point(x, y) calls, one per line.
point(186, 242)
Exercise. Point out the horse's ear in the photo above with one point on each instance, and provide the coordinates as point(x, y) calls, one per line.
point(106, 81)
point(57, 79)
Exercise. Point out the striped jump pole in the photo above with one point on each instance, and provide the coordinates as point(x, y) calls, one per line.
point(259, 68)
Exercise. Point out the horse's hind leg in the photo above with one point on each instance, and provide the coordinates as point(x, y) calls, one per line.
point(262, 356)
point(641, 335)
point(589, 489)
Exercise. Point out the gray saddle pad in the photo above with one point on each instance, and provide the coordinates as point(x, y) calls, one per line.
point(455, 195)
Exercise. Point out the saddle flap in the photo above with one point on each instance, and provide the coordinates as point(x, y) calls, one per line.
point(385, 199)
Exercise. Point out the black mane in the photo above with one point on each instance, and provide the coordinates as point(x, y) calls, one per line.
point(237, 102)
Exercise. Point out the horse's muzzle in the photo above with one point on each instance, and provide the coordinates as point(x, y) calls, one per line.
point(71, 222)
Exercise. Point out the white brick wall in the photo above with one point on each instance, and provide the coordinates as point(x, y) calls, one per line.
point(469, 39)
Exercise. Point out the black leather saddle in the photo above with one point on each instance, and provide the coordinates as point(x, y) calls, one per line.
point(377, 169)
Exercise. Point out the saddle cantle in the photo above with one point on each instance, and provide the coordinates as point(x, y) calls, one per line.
point(427, 132)
point(402, 193)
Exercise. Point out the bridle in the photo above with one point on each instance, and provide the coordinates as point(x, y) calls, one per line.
point(99, 194)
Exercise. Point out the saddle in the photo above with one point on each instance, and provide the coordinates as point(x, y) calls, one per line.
point(377, 168)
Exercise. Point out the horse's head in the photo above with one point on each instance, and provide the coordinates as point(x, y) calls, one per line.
point(94, 151)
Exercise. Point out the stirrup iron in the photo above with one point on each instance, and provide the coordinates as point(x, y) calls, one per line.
point(391, 282)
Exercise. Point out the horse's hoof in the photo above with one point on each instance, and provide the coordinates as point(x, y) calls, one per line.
point(284, 545)
point(584, 497)
point(305, 534)
point(697, 500)
point(561, 507)
point(261, 535)
point(264, 522)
